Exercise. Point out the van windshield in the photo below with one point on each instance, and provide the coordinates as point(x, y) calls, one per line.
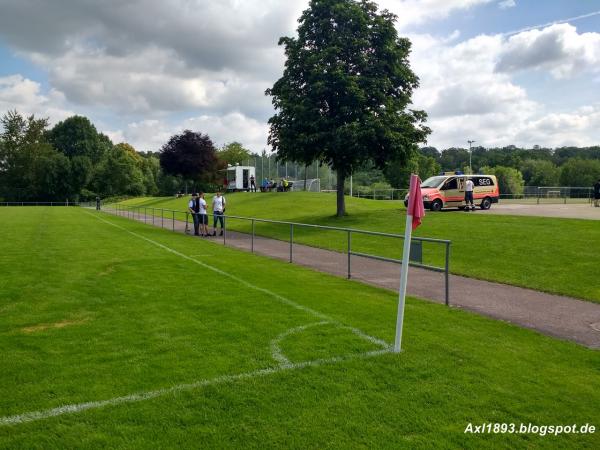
point(433, 182)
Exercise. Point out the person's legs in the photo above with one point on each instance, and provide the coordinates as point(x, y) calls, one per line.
point(196, 223)
point(221, 219)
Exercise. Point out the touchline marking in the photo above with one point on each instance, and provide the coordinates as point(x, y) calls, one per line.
point(79, 407)
point(282, 299)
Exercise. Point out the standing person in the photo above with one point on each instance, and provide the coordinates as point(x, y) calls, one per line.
point(597, 194)
point(194, 208)
point(218, 205)
point(97, 203)
point(252, 184)
point(469, 194)
point(203, 215)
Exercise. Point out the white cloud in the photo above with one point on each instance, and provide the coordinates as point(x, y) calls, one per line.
point(557, 48)
point(506, 4)
point(151, 135)
point(415, 12)
point(25, 95)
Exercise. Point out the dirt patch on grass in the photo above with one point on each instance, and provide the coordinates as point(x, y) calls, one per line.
point(107, 271)
point(48, 326)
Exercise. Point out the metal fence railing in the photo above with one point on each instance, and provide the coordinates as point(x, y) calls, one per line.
point(175, 219)
point(380, 194)
point(551, 195)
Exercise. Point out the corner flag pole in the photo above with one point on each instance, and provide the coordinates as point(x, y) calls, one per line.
point(414, 212)
point(403, 281)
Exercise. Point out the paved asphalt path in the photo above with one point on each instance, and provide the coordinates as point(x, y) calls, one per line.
point(554, 315)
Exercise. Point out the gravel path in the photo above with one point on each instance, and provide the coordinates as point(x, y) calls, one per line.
point(558, 316)
point(568, 211)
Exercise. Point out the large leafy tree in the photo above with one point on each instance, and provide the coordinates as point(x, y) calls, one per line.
point(30, 168)
point(344, 95)
point(190, 155)
point(119, 172)
point(77, 136)
point(234, 153)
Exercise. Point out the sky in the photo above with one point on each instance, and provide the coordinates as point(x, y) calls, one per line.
point(499, 72)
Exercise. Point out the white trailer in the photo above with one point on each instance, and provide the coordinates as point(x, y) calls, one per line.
point(238, 177)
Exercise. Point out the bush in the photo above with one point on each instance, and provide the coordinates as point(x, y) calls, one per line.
point(510, 180)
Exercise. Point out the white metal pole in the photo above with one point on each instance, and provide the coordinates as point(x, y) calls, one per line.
point(403, 281)
point(350, 185)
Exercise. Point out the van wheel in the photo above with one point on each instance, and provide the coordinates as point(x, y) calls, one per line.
point(436, 205)
point(486, 203)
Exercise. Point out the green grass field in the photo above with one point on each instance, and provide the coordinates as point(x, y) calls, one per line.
point(205, 346)
point(523, 251)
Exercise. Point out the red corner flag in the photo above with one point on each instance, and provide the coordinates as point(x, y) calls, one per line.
point(415, 201)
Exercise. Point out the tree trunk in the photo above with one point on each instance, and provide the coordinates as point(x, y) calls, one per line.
point(341, 202)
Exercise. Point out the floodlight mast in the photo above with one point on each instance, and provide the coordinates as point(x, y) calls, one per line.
point(470, 153)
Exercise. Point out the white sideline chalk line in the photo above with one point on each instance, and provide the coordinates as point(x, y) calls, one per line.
point(141, 396)
point(282, 299)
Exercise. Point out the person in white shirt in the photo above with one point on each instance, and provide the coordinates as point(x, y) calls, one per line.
point(469, 194)
point(218, 205)
point(203, 215)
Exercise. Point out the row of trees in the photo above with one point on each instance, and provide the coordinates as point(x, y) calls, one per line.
point(70, 161)
point(73, 161)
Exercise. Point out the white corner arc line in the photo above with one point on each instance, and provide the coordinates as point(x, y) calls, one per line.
point(276, 351)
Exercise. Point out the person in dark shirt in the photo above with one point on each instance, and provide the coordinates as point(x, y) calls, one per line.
point(194, 209)
point(597, 194)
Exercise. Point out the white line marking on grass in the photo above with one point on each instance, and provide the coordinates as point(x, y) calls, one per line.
point(381, 343)
point(141, 396)
point(276, 351)
point(284, 363)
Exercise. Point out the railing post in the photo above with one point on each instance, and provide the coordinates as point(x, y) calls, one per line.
point(153, 215)
point(447, 273)
point(162, 218)
point(187, 216)
point(145, 214)
point(173, 222)
point(252, 239)
point(224, 231)
point(349, 252)
point(291, 242)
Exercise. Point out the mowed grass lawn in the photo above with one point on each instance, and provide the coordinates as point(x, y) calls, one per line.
point(553, 255)
point(94, 307)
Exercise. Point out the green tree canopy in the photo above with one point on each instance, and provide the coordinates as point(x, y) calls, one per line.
point(510, 180)
point(30, 168)
point(119, 173)
point(398, 173)
point(234, 153)
point(190, 155)
point(539, 172)
point(344, 95)
point(77, 136)
point(579, 172)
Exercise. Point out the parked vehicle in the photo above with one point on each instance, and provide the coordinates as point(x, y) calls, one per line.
point(448, 190)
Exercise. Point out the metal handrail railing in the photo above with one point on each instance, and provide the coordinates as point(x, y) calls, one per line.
point(130, 211)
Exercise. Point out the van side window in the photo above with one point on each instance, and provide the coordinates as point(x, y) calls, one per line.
point(450, 184)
